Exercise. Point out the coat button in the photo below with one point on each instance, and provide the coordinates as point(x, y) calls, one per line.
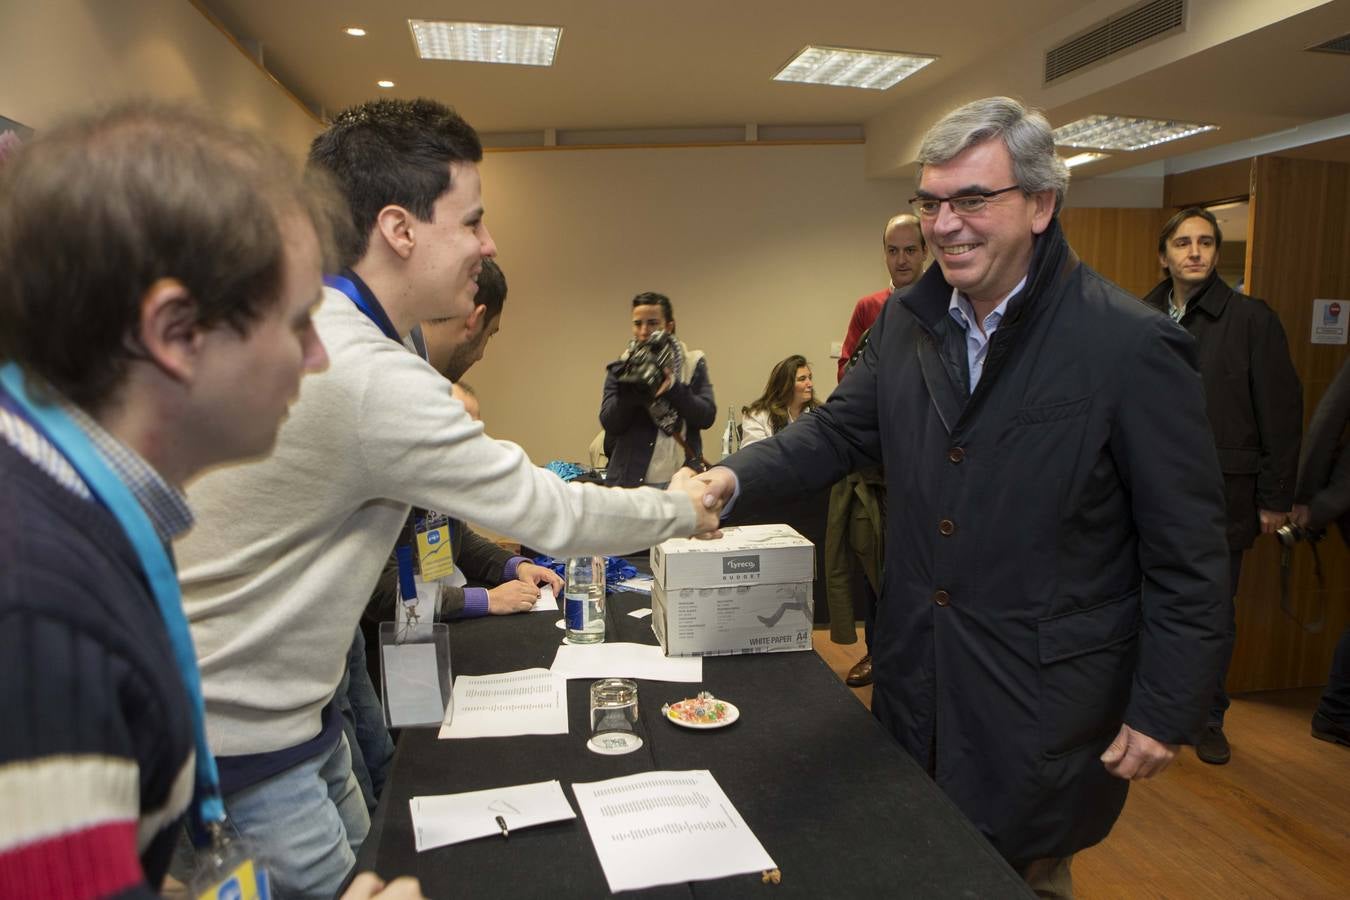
point(955, 455)
point(946, 527)
point(942, 598)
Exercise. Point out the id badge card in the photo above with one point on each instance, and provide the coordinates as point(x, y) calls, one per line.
point(414, 673)
point(229, 870)
point(434, 548)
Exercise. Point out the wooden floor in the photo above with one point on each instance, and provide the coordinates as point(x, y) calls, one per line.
point(1274, 822)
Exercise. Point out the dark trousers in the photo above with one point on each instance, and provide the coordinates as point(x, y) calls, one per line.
point(1335, 703)
point(1220, 705)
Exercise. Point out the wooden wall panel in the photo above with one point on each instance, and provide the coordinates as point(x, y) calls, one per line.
point(1299, 249)
point(1201, 187)
point(1121, 244)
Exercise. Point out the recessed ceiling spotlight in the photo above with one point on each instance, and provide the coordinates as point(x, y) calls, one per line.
point(1080, 159)
point(384, 83)
point(521, 45)
point(844, 67)
point(1124, 133)
point(355, 32)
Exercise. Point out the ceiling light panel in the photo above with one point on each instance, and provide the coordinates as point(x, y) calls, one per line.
point(842, 67)
point(521, 45)
point(1082, 159)
point(1122, 133)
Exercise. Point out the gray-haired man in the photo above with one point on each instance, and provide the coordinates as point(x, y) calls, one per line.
point(1054, 625)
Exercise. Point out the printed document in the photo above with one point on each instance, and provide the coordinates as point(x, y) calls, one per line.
point(531, 701)
point(667, 828)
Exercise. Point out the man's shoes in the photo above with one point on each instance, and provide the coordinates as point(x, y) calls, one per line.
point(861, 673)
point(1213, 747)
point(1325, 729)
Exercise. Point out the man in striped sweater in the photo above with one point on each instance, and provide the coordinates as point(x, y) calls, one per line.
point(159, 274)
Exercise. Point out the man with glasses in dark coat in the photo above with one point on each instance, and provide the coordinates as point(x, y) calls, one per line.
point(1055, 623)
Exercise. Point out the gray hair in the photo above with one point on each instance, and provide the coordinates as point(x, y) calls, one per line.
point(1025, 132)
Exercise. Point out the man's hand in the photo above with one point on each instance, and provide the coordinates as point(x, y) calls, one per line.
point(708, 513)
point(369, 886)
point(1299, 515)
point(1134, 755)
point(530, 573)
point(512, 597)
point(1271, 520)
point(719, 486)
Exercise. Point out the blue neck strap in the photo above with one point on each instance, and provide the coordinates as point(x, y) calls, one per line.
point(76, 447)
point(364, 300)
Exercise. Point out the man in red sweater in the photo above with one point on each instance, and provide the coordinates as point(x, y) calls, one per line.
point(904, 252)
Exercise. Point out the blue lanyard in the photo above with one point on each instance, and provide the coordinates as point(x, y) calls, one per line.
point(373, 311)
point(76, 447)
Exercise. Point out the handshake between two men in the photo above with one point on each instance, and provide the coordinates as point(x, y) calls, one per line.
point(709, 492)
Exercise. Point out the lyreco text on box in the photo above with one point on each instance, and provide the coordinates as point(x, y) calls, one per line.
point(747, 592)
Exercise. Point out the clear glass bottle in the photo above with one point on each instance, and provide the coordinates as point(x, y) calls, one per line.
point(584, 600)
point(731, 435)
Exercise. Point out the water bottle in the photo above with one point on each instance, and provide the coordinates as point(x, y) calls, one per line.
point(731, 441)
point(584, 600)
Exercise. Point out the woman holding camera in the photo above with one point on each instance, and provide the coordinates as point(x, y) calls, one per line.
point(788, 394)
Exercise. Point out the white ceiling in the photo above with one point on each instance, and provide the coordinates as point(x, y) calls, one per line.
point(643, 65)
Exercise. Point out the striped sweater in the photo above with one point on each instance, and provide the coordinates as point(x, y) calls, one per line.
point(96, 754)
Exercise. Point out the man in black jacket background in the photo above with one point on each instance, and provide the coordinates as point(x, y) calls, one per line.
point(1252, 397)
point(1323, 496)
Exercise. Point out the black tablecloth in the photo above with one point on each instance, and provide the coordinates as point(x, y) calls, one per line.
point(841, 808)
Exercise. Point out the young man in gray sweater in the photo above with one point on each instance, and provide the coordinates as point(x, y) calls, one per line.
point(288, 549)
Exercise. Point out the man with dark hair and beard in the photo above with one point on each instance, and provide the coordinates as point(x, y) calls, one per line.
point(453, 345)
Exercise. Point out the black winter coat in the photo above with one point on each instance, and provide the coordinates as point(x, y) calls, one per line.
point(629, 429)
point(1252, 397)
point(1324, 471)
point(1059, 562)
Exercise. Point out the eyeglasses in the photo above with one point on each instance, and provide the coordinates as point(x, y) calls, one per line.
point(964, 205)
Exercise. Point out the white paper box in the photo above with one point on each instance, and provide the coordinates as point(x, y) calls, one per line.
point(750, 592)
point(749, 554)
point(748, 618)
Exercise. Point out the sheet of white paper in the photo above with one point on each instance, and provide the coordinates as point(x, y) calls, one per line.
point(642, 584)
point(547, 602)
point(451, 818)
point(620, 660)
point(531, 701)
point(412, 686)
point(641, 613)
point(665, 828)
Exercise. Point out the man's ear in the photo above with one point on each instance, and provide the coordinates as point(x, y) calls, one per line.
point(169, 331)
point(1044, 210)
point(394, 225)
point(476, 321)
point(670, 326)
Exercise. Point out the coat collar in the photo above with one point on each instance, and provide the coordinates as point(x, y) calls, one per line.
point(928, 299)
point(930, 296)
point(1212, 298)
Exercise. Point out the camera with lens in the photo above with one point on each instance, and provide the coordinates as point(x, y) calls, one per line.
point(1290, 534)
point(647, 362)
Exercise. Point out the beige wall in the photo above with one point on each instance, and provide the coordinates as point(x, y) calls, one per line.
point(61, 56)
point(762, 250)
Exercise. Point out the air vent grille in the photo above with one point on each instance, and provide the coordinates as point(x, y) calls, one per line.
point(1335, 45)
point(1127, 30)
